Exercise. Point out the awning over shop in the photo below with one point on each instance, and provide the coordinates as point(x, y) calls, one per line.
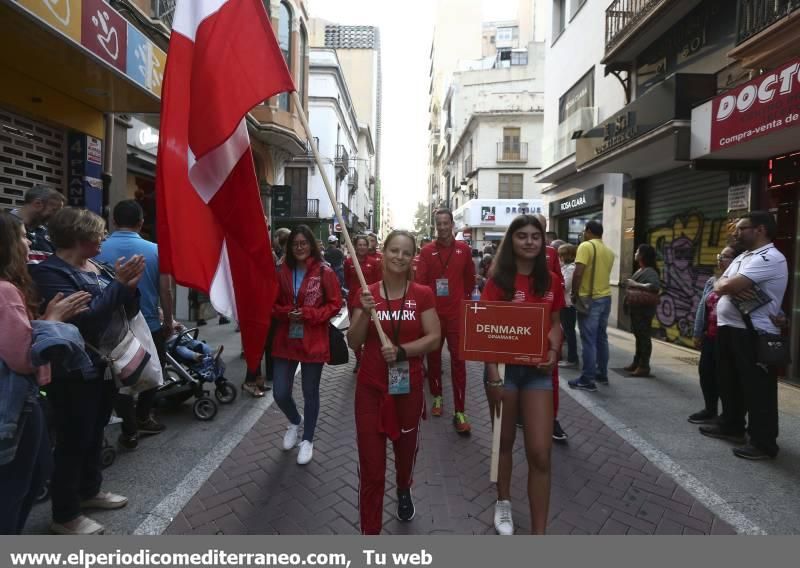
point(757, 120)
point(83, 49)
point(649, 135)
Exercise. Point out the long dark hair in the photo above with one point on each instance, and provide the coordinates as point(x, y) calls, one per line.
point(504, 265)
point(313, 247)
point(408, 235)
point(13, 261)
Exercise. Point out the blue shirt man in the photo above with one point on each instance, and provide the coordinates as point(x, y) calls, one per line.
point(154, 288)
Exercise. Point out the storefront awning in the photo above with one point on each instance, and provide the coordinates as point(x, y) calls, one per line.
point(107, 65)
point(649, 135)
point(757, 120)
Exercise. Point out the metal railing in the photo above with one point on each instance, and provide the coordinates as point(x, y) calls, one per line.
point(352, 179)
point(164, 10)
point(308, 208)
point(622, 15)
point(342, 157)
point(512, 152)
point(754, 16)
point(346, 214)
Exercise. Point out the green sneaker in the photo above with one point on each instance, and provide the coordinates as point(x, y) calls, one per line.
point(461, 423)
point(437, 406)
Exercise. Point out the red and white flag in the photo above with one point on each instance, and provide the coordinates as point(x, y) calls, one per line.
point(223, 60)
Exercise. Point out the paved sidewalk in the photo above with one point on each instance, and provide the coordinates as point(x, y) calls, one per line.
point(601, 483)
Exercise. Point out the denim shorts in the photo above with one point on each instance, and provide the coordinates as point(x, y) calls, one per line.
point(525, 377)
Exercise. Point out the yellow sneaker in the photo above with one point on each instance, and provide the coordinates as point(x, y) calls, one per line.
point(461, 423)
point(437, 406)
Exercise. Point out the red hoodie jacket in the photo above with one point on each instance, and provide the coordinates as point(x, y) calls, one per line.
point(318, 307)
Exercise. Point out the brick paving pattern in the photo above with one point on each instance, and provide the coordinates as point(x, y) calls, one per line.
point(601, 484)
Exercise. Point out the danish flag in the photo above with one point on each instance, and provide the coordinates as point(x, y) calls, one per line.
point(223, 60)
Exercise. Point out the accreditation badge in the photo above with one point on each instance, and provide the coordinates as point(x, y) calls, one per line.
point(442, 287)
point(296, 330)
point(399, 378)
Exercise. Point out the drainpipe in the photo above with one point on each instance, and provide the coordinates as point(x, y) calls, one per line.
point(108, 159)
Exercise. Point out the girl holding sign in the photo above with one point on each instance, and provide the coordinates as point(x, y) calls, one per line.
point(389, 396)
point(520, 274)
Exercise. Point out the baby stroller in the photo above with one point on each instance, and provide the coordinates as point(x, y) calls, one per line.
point(189, 365)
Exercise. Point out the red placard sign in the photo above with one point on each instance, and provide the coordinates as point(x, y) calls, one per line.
point(768, 103)
point(505, 332)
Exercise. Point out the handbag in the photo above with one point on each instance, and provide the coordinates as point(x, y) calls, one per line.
point(583, 304)
point(771, 349)
point(641, 297)
point(133, 362)
point(339, 352)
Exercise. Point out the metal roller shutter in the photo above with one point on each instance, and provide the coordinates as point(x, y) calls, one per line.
point(30, 153)
point(683, 214)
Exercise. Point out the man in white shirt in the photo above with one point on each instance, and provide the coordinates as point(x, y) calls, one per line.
point(747, 387)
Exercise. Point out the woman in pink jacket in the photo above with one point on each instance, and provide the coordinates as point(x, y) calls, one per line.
point(23, 475)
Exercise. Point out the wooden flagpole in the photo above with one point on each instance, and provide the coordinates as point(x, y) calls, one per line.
point(337, 211)
point(497, 425)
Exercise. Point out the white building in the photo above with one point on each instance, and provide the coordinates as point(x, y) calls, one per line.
point(346, 150)
point(579, 95)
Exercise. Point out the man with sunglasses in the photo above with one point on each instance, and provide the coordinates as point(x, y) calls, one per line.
point(746, 386)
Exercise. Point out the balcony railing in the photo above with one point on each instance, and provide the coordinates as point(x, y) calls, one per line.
point(352, 179)
point(303, 209)
point(342, 161)
point(346, 214)
point(164, 10)
point(754, 16)
point(467, 166)
point(622, 15)
point(512, 153)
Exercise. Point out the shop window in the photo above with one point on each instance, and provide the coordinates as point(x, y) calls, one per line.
point(510, 186)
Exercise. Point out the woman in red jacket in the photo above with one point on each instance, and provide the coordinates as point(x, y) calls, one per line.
point(308, 297)
point(371, 269)
point(389, 396)
point(520, 273)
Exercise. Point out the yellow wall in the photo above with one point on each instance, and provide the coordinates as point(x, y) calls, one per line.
point(19, 92)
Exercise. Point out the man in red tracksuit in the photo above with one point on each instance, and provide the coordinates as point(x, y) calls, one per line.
point(446, 266)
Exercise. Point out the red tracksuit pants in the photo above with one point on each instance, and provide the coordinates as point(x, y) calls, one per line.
point(371, 437)
point(458, 369)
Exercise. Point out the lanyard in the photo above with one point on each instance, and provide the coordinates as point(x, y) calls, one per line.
point(396, 331)
point(295, 288)
point(444, 264)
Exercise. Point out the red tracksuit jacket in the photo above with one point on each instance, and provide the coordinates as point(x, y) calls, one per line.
point(455, 264)
point(371, 269)
point(318, 308)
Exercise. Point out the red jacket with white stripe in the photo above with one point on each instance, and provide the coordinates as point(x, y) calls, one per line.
point(319, 299)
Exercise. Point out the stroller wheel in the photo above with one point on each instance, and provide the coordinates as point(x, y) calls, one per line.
point(225, 393)
point(107, 457)
point(204, 408)
point(43, 494)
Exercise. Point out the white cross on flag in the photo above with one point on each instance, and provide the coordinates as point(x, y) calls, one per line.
point(223, 60)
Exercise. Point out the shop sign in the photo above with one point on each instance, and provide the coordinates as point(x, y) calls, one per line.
point(63, 15)
point(100, 29)
point(672, 99)
point(105, 33)
point(488, 215)
point(143, 136)
point(580, 95)
point(577, 202)
point(766, 104)
point(84, 170)
point(738, 197)
point(523, 210)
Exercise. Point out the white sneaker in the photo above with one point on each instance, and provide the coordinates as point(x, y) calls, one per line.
point(80, 527)
point(306, 452)
point(503, 523)
point(292, 434)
